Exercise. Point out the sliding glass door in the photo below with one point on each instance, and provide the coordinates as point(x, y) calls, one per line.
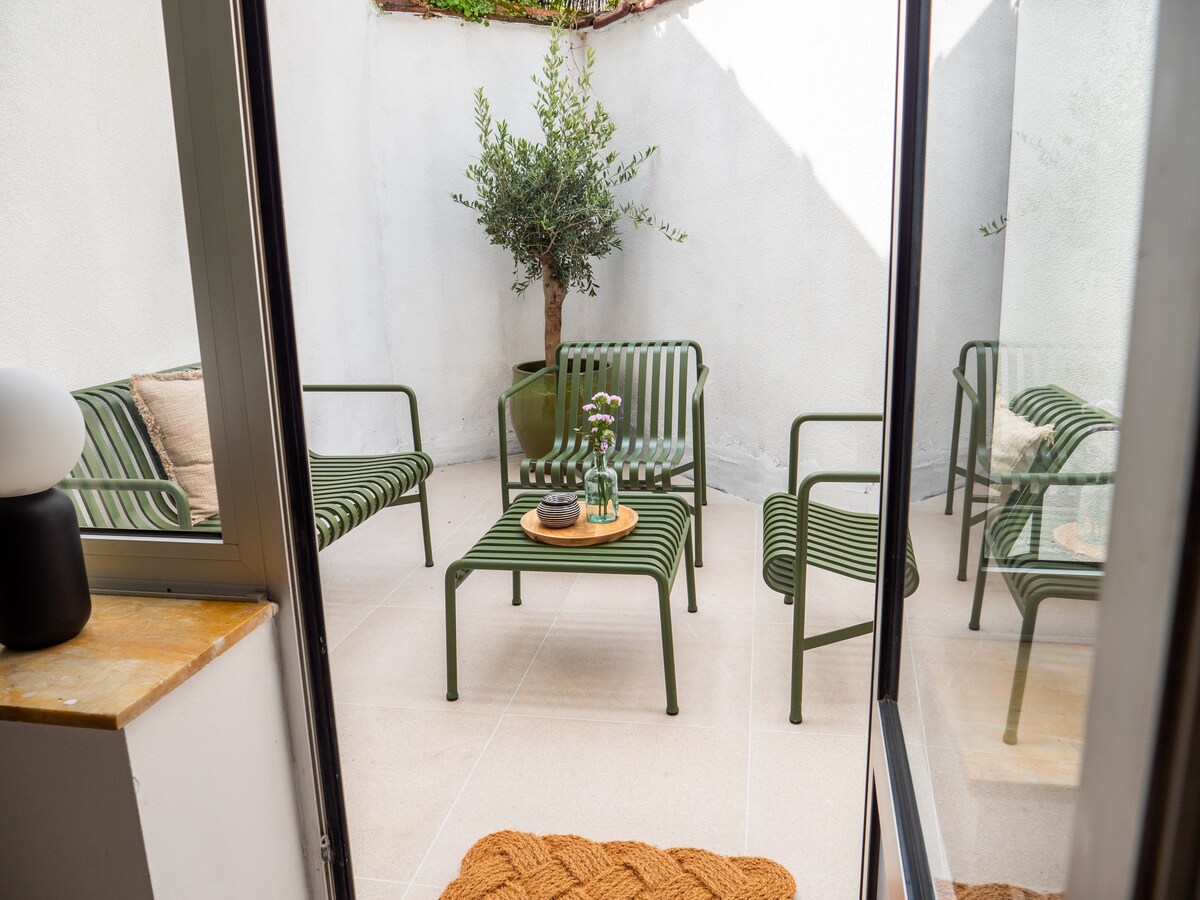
point(1040, 450)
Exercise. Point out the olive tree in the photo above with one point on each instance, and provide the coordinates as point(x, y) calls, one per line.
point(552, 203)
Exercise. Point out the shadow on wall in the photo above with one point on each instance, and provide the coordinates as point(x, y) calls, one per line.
point(782, 289)
point(967, 166)
point(779, 286)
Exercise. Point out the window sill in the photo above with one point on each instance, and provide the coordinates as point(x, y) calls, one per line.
point(133, 652)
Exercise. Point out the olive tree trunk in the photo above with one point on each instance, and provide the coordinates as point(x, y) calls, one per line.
point(554, 292)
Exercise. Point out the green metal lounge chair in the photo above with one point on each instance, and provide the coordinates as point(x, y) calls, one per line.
point(1012, 537)
point(984, 355)
point(798, 533)
point(653, 446)
point(120, 483)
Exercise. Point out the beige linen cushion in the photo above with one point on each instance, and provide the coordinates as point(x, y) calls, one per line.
point(1015, 440)
point(172, 406)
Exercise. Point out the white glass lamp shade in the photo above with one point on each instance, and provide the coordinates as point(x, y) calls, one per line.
point(41, 432)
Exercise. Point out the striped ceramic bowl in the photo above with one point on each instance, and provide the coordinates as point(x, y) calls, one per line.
point(558, 510)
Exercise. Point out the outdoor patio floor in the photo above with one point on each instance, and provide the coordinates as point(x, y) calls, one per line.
point(561, 726)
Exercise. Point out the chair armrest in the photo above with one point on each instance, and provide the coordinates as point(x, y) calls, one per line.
point(977, 417)
point(183, 509)
point(698, 390)
point(404, 389)
point(503, 419)
point(806, 486)
point(1040, 480)
point(794, 451)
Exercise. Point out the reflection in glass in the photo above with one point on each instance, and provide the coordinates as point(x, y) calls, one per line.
point(97, 283)
point(1037, 133)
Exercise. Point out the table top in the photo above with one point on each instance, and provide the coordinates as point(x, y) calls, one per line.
point(132, 653)
point(653, 548)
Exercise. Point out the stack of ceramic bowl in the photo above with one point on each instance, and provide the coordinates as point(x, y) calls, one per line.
point(558, 510)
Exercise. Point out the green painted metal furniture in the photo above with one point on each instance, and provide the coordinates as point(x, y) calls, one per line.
point(799, 532)
point(980, 359)
point(119, 482)
point(1012, 537)
point(653, 549)
point(660, 434)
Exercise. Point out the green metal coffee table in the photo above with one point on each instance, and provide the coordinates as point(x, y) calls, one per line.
point(654, 549)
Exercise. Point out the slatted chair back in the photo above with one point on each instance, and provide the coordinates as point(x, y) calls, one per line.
point(1074, 420)
point(654, 380)
point(117, 447)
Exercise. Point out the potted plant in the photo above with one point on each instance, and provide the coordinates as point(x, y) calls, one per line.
point(552, 205)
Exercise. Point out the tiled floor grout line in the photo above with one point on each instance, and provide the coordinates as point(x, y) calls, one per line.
point(596, 721)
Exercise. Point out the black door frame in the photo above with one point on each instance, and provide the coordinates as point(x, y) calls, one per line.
point(895, 862)
point(335, 840)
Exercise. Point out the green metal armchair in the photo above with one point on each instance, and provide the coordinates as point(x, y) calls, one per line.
point(120, 482)
point(660, 432)
point(985, 356)
point(1012, 537)
point(799, 532)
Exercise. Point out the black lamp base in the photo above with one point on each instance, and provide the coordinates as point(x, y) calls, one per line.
point(44, 597)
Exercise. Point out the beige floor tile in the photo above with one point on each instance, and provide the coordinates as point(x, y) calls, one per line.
point(606, 781)
point(369, 889)
point(341, 619)
point(423, 892)
point(611, 668)
point(837, 684)
point(397, 657)
point(806, 802)
point(393, 816)
point(362, 581)
point(1001, 831)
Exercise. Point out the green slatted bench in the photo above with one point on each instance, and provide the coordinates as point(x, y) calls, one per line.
point(653, 549)
point(799, 532)
point(1012, 536)
point(657, 417)
point(120, 483)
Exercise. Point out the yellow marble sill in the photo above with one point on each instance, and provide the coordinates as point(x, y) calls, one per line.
point(133, 652)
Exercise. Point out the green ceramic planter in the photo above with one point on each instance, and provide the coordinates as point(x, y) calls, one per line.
point(532, 409)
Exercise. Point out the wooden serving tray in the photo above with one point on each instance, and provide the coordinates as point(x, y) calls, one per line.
point(583, 533)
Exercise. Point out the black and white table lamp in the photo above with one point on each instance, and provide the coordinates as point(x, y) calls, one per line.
point(44, 598)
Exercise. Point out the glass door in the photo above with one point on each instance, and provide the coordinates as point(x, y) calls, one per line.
point(1024, 388)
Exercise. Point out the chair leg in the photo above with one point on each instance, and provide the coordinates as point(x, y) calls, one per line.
point(698, 511)
point(516, 598)
point(980, 579)
point(1020, 673)
point(451, 635)
point(668, 645)
point(798, 645)
point(958, 399)
point(424, 504)
point(690, 572)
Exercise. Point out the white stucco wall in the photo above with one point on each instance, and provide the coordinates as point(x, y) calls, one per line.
point(1080, 122)
point(96, 281)
point(966, 184)
point(775, 157)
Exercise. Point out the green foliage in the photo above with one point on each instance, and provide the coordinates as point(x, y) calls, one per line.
point(553, 202)
point(471, 10)
point(988, 229)
point(479, 10)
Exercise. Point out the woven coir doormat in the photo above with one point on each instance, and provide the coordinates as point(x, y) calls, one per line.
point(514, 865)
